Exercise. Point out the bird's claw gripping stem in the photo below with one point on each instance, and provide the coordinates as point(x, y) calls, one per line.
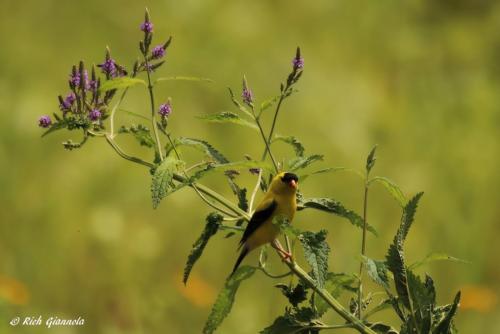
point(284, 254)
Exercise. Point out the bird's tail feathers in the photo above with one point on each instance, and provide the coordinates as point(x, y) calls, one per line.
point(243, 253)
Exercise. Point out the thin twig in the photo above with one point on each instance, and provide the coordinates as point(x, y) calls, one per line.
point(266, 142)
point(153, 118)
point(278, 106)
point(262, 266)
point(254, 192)
point(113, 112)
point(126, 156)
point(363, 249)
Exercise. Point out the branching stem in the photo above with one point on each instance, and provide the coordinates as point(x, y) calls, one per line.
point(294, 267)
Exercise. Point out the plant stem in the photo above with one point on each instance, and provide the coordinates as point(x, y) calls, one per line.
point(126, 156)
point(192, 184)
point(363, 249)
point(294, 267)
point(262, 266)
point(254, 192)
point(334, 303)
point(153, 118)
point(113, 112)
point(278, 106)
point(268, 274)
point(266, 142)
point(201, 188)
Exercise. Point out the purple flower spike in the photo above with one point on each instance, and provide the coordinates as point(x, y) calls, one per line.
point(298, 63)
point(74, 79)
point(247, 95)
point(44, 122)
point(95, 115)
point(86, 79)
point(147, 27)
point(108, 67)
point(68, 102)
point(165, 109)
point(93, 85)
point(158, 52)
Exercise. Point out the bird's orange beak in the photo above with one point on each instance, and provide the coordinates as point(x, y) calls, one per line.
point(293, 184)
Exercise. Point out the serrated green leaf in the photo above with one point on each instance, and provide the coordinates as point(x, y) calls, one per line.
point(202, 145)
point(268, 103)
point(395, 263)
point(303, 177)
point(238, 165)
point(55, 127)
point(408, 216)
point(336, 284)
point(141, 133)
point(392, 188)
point(370, 160)
point(241, 194)
point(282, 325)
point(316, 252)
point(436, 256)
point(228, 117)
point(295, 321)
point(423, 299)
point(132, 113)
point(224, 302)
point(295, 295)
point(162, 184)
point(395, 255)
point(446, 325)
point(377, 271)
point(213, 222)
point(303, 162)
point(293, 141)
point(120, 82)
point(381, 328)
point(183, 78)
point(383, 305)
point(332, 206)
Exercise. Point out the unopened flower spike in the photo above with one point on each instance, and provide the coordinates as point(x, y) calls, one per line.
point(246, 94)
point(93, 82)
point(74, 78)
point(83, 75)
point(109, 65)
point(147, 25)
point(298, 61)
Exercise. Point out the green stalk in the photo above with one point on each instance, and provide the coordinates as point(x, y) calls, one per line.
point(126, 156)
point(153, 118)
point(363, 249)
point(334, 303)
point(278, 106)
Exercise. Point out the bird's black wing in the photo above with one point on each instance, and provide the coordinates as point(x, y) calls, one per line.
point(258, 218)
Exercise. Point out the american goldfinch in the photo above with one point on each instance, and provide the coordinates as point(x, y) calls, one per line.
point(278, 201)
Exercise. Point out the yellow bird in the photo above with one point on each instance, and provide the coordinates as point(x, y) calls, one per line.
point(278, 201)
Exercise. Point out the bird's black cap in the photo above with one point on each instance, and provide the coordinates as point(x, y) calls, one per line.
point(287, 177)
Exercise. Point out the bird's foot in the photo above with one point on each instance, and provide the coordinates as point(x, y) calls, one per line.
point(285, 255)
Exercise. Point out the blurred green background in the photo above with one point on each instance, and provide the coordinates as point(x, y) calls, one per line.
point(419, 78)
